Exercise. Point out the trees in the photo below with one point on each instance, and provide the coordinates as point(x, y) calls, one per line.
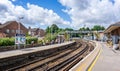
point(52, 29)
point(84, 29)
point(48, 29)
point(55, 29)
point(97, 28)
point(68, 29)
point(88, 29)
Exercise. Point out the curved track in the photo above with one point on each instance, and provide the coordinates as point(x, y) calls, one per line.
point(62, 60)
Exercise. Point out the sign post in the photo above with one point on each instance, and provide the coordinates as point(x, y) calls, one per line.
point(20, 39)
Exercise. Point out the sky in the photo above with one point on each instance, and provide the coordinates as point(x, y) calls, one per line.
point(64, 13)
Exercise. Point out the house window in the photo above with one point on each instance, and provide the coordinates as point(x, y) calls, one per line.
point(17, 31)
point(8, 31)
point(13, 31)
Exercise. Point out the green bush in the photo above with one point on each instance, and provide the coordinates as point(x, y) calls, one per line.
point(7, 41)
point(11, 41)
point(30, 39)
point(50, 37)
point(40, 42)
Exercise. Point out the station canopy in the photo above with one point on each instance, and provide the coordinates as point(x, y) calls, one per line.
point(112, 27)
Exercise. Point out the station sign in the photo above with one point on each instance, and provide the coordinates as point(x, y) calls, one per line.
point(20, 39)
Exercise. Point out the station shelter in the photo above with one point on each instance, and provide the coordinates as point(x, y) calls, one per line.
point(113, 33)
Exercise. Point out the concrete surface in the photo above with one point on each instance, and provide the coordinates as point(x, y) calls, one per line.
point(11, 53)
point(109, 60)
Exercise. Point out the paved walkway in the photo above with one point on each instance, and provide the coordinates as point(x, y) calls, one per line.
point(108, 60)
point(30, 50)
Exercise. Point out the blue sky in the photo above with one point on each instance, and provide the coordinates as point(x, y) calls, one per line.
point(49, 4)
point(65, 13)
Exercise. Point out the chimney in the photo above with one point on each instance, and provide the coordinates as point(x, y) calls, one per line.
point(29, 28)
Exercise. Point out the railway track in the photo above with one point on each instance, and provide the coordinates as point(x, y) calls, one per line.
point(62, 60)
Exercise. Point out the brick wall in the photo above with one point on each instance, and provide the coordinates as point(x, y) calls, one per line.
point(42, 33)
point(13, 26)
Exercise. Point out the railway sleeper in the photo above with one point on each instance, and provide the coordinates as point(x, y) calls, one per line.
point(13, 61)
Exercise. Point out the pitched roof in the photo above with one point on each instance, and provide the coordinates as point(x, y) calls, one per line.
point(9, 22)
point(34, 29)
point(112, 27)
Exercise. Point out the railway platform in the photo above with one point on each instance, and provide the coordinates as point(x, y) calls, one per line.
point(12, 53)
point(108, 60)
point(102, 58)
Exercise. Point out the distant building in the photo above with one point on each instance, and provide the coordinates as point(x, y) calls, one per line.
point(36, 32)
point(101, 35)
point(10, 28)
point(2, 35)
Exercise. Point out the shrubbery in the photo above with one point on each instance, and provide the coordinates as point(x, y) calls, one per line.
point(50, 37)
point(7, 41)
point(11, 41)
point(30, 39)
point(40, 42)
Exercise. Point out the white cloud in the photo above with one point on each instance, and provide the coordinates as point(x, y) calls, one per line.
point(92, 12)
point(42, 15)
point(81, 12)
point(13, 0)
point(33, 15)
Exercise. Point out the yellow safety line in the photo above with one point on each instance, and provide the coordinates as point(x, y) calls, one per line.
point(90, 68)
point(80, 68)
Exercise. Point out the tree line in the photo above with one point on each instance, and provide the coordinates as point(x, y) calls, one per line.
point(55, 29)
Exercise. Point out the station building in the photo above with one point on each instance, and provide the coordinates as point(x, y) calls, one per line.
point(113, 29)
point(113, 32)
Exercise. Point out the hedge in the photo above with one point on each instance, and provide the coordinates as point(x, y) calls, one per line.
point(7, 41)
point(11, 41)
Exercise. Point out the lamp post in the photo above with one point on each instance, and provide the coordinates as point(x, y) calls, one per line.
point(19, 31)
point(19, 24)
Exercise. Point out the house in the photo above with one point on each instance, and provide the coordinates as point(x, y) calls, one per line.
point(36, 32)
point(10, 28)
